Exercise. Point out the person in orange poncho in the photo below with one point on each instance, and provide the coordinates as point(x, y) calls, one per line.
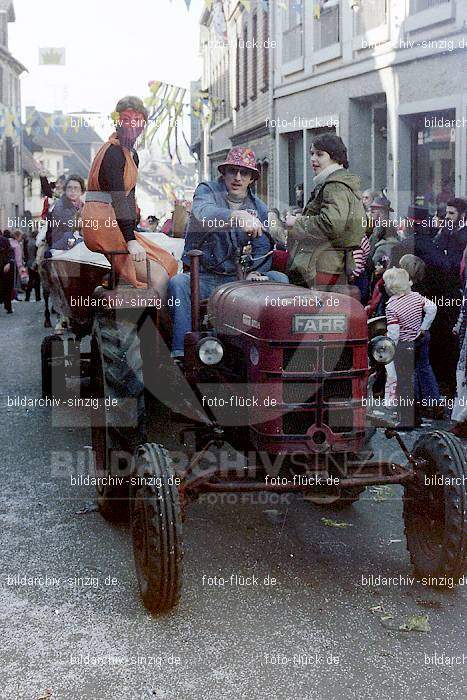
point(110, 211)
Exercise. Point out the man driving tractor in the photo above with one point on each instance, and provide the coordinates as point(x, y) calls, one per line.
point(226, 217)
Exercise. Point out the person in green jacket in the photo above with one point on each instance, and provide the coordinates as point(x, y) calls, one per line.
point(334, 218)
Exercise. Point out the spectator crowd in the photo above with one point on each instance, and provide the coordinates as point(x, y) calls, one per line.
point(409, 270)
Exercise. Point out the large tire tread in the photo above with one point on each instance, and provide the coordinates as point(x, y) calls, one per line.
point(117, 360)
point(53, 367)
point(162, 585)
point(450, 457)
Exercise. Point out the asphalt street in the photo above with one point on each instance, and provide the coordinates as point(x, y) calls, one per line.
point(318, 621)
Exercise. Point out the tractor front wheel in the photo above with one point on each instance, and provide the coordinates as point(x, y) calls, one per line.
point(435, 509)
point(156, 528)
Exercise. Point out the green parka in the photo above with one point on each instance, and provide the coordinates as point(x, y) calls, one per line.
point(334, 217)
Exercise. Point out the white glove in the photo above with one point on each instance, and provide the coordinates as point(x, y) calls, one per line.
point(136, 250)
point(257, 277)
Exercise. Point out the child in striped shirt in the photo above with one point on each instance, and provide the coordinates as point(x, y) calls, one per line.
point(409, 316)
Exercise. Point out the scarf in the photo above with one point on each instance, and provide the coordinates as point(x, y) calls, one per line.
point(235, 201)
point(324, 174)
point(130, 125)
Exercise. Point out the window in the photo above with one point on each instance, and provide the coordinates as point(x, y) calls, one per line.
point(9, 155)
point(292, 39)
point(371, 14)
point(228, 100)
point(3, 29)
point(295, 147)
point(433, 160)
point(326, 32)
point(254, 77)
point(217, 93)
point(262, 182)
point(225, 88)
point(265, 48)
point(420, 5)
point(237, 75)
point(245, 66)
point(424, 13)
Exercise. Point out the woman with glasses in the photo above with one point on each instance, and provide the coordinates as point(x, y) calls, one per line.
point(64, 221)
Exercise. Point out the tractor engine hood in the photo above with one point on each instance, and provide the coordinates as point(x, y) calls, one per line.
point(270, 311)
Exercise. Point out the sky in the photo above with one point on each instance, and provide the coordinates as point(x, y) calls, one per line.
point(113, 48)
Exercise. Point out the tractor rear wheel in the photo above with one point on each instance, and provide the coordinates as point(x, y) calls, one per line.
point(435, 509)
point(53, 367)
point(118, 423)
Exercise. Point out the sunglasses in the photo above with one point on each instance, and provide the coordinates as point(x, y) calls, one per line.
point(244, 172)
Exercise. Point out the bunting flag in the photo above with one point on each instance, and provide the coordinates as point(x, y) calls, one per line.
point(218, 20)
point(168, 190)
point(167, 107)
point(246, 4)
point(52, 56)
point(10, 124)
point(35, 123)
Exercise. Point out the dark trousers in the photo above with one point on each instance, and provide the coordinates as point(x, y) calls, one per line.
point(415, 378)
point(444, 349)
point(6, 289)
point(404, 361)
point(426, 386)
point(34, 283)
point(363, 284)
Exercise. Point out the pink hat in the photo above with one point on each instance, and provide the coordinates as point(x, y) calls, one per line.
point(241, 157)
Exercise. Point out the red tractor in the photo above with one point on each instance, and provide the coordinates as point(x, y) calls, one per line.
point(281, 374)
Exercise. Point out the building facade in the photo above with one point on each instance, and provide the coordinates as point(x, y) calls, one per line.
point(389, 76)
point(61, 145)
point(236, 51)
point(249, 39)
point(11, 176)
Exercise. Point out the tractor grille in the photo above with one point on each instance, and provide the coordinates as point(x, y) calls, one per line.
point(320, 397)
point(337, 390)
point(301, 360)
point(338, 359)
point(340, 420)
point(297, 423)
point(298, 392)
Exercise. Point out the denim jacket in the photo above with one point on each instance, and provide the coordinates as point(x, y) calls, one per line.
point(209, 230)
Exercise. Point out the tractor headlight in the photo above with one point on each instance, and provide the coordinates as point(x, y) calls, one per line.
point(210, 351)
point(382, 349)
